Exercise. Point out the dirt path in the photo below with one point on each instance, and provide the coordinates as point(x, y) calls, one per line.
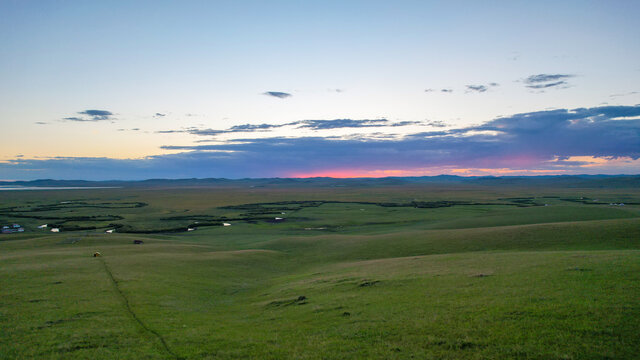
point(127, 307)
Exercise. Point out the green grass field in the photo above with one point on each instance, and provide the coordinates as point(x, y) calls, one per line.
point(396, 272)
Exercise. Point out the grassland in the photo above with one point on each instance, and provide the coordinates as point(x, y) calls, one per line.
point(414, 271)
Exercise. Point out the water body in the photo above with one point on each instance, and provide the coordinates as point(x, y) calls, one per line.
point(17, 188)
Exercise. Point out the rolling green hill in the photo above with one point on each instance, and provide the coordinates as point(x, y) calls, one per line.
point(395, 272)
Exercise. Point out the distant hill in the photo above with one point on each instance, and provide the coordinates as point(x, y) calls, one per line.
point(573, 181)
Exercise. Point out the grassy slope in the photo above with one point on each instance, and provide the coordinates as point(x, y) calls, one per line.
point(422, 289)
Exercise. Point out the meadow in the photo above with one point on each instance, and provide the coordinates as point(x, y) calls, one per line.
point(424, 271)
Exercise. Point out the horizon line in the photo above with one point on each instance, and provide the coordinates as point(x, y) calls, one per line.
point(333, 178)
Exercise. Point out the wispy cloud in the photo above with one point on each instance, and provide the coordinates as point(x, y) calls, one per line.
point(339, 123)
point(277, 94)
point(545, 81)
point(90, 116)
point(252, 127)
point(481, 88)
point(315, 125)
point(436, 123)
point(561, 140)
point(624, 94)
point(446, 90)
point(476, 88)
point(542, 78)
point(548, 85)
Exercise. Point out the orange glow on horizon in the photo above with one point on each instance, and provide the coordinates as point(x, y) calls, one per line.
point(345, 174)
point(591, 163)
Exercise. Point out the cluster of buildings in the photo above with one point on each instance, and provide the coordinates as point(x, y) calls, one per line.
point(15, 228)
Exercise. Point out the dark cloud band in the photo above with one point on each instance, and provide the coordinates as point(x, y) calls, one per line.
point(543, 140)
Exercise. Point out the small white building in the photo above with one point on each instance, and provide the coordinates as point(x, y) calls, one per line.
point(190, 229)
point(278, 218)
point(55, 230)
point(42, 226)
point(226, 224)
point(110, 231)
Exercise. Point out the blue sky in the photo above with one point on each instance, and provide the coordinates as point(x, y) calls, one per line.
point(166, 89)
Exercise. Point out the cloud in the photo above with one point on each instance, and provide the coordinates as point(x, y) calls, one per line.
point(278, 94)
point(521, 141)
point(578, 140)
point(252, 127)
point(99, 113)
point(436, 123)
point(405, 123)
point(548, 85)
point(446, 90)
point(545, 81)
point(205, 132)
point(339, 123)
point(301, 124)
point(428, 90)
point(90, 116)
point(624, 94)
point(476, 88)
point(481, 88)
point(40, 123)
point(159, 115)
point(542, 78)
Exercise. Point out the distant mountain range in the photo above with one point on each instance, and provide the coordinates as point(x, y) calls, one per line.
point(551, 180)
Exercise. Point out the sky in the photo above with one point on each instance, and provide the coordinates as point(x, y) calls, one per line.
point(166, 89)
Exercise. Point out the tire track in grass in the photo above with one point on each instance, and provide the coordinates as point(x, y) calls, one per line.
point(133, 315)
